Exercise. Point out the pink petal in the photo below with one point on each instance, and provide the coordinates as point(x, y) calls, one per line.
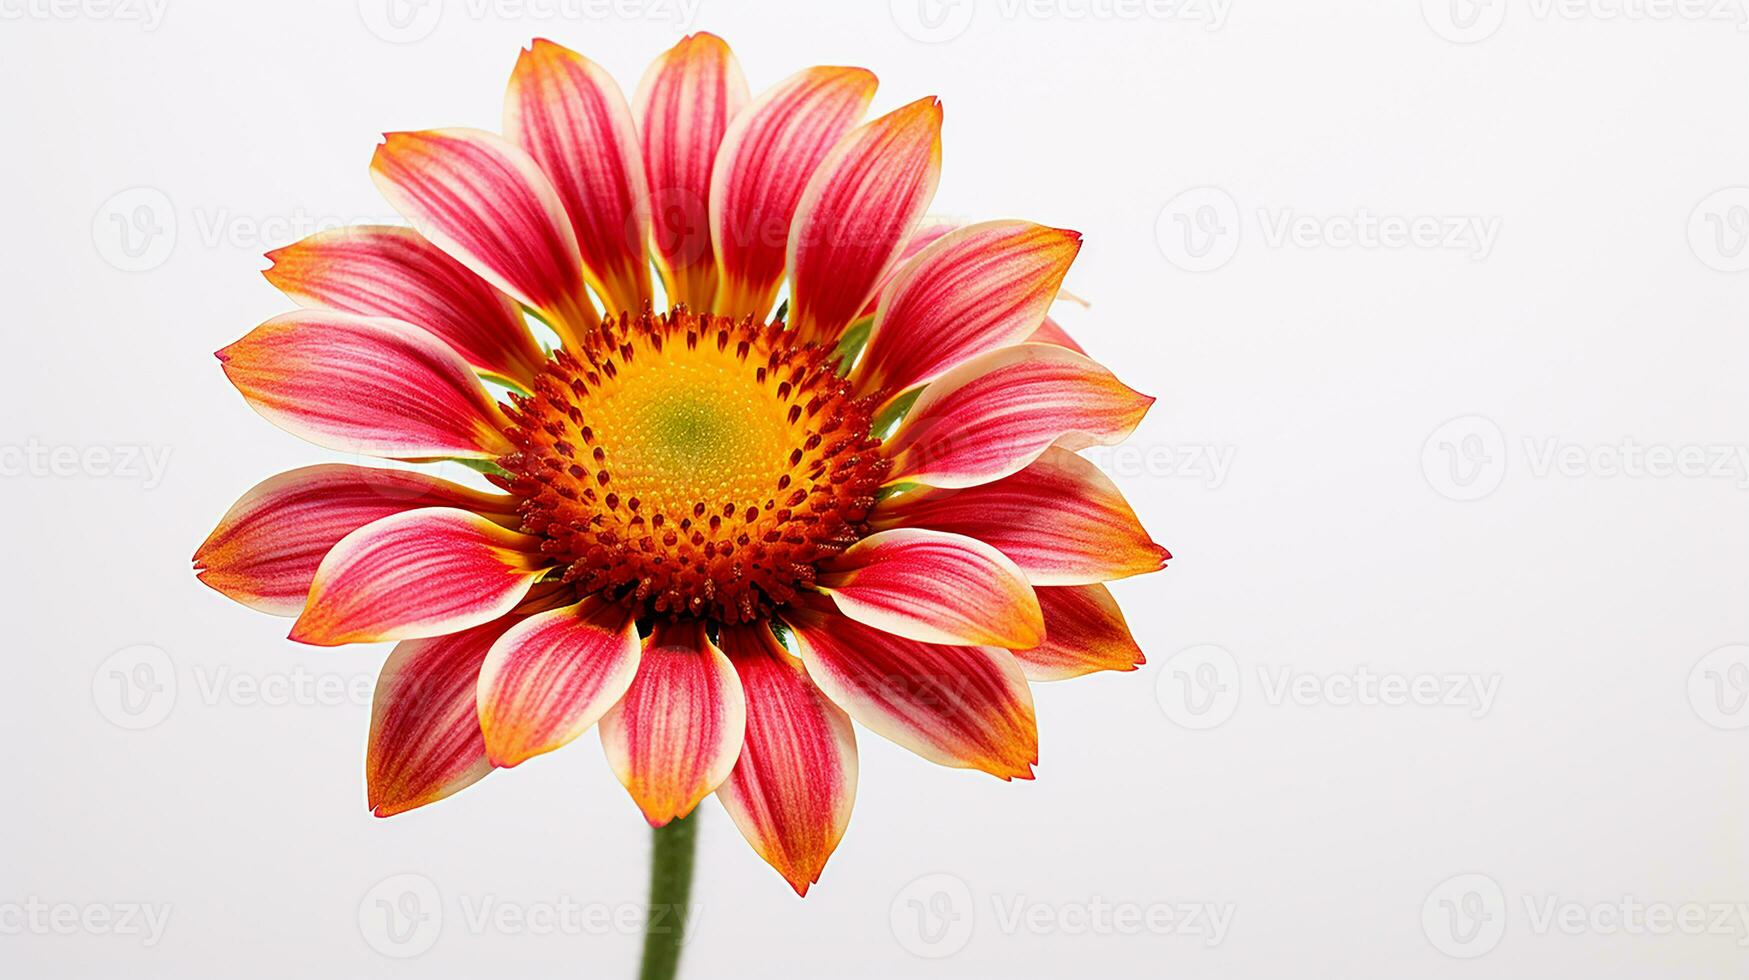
point(792, 789)
point(416, 574)
point(965, 707)
point(935, 588)
point(855, 214)
point(572, 119)
point(683, 107)
point(768, 153)
point(483, 200)
point(1049, 332)
point(1061, 520)
point(1084, 632)
point(927, 233)
point(996, 413)
point(382, 270)
point(425, 739)
point(554, 675)
point(265, 549)
point(675, 735)
point(974, 290)
point(365, 385)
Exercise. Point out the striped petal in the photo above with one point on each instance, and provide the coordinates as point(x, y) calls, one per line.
point(855, 214)
point(554, 675)
point(791, 790)
point(964, 707)
point(683, 107)
point(416, 574)
point(1061, 520)
point(265, 549)
point(675, 735)
point(425, 739)
point(1050, 332)
point(974, 290)
point(1084, 632)
point(928, 232)
point(382, 270)
point(996, 413)
point(935, 587)
point(483, 200)
point(767, 155)
point(572, 119)
point(365, 385)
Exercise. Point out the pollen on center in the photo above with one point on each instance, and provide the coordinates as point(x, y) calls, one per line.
point(691, 464)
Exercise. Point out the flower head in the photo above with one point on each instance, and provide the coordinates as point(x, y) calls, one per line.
point(718, 534)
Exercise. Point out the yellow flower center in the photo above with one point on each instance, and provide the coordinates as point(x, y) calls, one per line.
point(692, 464)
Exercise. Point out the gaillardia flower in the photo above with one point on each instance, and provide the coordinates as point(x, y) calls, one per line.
point(721, 533)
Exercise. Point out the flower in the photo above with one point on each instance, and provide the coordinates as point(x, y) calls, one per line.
point(719, 535)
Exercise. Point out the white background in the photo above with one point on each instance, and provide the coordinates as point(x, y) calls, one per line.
point(1603, 315)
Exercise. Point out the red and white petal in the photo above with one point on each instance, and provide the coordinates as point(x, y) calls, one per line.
point(1084, 632)
point(382, 270)
point(928, 232)
point(572, 119)
point(676, 734)
point(365, 385)
point(1061, 520)
point(425, 739)
point(767, 155)
point(855, 214)
point(935, 587)
point(1051, 332)
point(974, 290)
point(483, 200)
point(997, 412)
point(554, 675)
point(792, 789)
point(965, 707)
point(265, 549)
point(683, 107)
point(416, 574)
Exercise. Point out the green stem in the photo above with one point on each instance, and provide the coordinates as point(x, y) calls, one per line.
point(671, 860)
